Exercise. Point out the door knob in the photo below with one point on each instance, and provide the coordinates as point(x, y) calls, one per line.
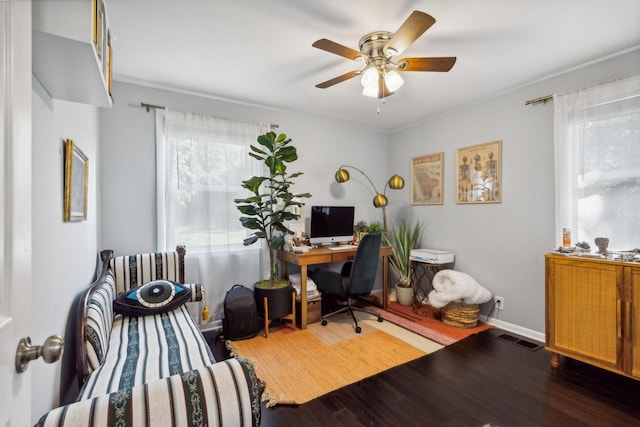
point(50, 351)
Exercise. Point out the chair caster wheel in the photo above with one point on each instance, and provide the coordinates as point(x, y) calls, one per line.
point(358, 329)
point(324, 322)
point(380, 319)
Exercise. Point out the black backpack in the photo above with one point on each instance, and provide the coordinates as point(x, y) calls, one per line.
point(240, 314)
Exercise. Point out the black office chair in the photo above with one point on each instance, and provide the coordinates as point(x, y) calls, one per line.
point(356, 279)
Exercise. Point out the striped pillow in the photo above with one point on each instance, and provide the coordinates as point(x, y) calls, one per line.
point(135, 270)
point(225, 393)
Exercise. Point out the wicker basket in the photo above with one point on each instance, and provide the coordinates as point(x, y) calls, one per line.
point(460, 314)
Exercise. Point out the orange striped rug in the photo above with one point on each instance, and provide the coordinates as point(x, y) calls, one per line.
point(300, 365)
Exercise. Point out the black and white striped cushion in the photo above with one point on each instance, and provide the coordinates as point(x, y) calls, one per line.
point(146, 348)
point(225, 393)
point(135, 270)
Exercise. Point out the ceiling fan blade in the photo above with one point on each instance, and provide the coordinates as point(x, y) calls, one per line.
point(426, 64)
point(338, 49)
point(339, 79)
point(415, 25)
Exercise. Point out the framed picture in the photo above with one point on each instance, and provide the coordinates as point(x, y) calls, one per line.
point(479, 173)
point(76, 182)
point(99, 28)
point(427, 174)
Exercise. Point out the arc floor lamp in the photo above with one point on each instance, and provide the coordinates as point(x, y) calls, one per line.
point(396, 182)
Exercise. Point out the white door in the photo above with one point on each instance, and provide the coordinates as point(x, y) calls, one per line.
point(15, 207)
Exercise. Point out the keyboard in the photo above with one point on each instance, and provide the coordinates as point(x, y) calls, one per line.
point(341, 247)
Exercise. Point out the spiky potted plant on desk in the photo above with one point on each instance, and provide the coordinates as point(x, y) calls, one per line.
point(266, 212)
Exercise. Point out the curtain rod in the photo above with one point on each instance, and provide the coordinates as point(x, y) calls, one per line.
point(161, 107)
point(541, 99)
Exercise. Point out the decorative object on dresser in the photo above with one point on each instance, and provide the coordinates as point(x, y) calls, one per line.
point(603, 244)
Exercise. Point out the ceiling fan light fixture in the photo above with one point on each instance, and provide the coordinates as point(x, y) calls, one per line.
point(370, 78)
point(379, 76)
point(371, 91)
point(393, 80)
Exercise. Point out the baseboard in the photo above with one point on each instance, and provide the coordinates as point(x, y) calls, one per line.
point(510, 327)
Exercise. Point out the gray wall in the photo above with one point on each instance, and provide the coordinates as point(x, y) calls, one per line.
point(501, 245)
point(64, 253)
point(127, 153)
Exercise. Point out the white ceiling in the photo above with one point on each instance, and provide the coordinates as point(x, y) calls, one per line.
point(259, 51)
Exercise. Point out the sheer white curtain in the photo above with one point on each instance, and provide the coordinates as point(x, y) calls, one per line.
point(201, 162)
point(597, 163)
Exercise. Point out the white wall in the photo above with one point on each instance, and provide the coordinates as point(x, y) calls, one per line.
point(501, 245)
point(64, 253)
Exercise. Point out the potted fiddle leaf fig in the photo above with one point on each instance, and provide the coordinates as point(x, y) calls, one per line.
point(403, 239)
point(266, 211)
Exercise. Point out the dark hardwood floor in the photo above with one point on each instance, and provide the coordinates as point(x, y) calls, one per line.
point(482, 380)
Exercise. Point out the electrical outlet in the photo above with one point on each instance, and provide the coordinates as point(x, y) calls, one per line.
point(499, 302)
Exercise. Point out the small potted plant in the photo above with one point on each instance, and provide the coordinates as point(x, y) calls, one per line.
point(265, 213)
point(403, 239)
point(374, 227)
point(358, 231)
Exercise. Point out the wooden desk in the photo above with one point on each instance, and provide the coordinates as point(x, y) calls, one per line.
point(326, 256)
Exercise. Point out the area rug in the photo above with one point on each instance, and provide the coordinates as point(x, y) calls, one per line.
point(426, 323)
point(300, 365)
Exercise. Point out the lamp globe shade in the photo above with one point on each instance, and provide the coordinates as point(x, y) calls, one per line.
point(396, 182)
point(380, 201)
point(342, 175)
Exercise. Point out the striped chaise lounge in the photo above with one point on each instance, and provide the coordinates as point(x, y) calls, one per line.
point(153, 369)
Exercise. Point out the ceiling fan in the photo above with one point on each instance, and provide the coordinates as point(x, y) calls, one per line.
point(380, 76)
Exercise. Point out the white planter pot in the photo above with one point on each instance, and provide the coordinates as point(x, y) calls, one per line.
point(404, 295)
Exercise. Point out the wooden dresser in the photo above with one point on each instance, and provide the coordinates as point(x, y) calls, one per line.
point(592, 312)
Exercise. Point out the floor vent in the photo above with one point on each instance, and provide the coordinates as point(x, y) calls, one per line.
point(529, 345)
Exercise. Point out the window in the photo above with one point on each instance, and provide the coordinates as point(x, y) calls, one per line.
point(597, 143)
point(201, 168)
point(201, 162)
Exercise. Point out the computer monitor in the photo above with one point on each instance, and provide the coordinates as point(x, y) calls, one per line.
point(331, 224)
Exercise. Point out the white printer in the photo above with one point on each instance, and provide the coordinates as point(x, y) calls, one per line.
point(431, 256)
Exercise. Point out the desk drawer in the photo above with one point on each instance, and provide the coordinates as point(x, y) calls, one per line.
point(314, 311)
point(343, 256)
